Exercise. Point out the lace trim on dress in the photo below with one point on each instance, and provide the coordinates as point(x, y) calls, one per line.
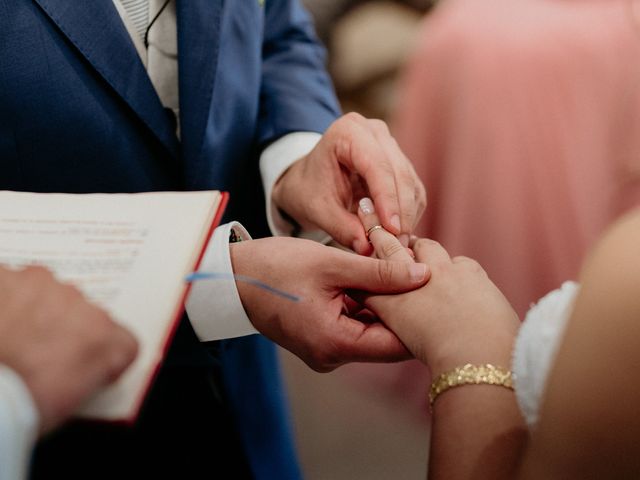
point(536, 346)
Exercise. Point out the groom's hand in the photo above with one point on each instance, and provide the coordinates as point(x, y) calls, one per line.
point(318, 328)
point(356, 157)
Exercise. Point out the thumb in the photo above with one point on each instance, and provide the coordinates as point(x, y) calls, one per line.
point(380, 276)
point(123, 350)
point(345, 228)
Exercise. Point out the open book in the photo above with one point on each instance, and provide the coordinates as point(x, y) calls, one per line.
point(129, 253)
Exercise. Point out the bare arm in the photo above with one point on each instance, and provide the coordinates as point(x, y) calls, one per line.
point(589, 425)
point(458, 317)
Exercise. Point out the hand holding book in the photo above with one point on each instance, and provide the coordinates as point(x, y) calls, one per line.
point(128, 253)
point(62, 347)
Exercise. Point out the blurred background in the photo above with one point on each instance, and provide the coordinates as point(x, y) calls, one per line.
point(362, 421)
point(368, 42)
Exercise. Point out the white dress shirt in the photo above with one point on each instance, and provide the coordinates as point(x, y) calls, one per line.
point(214, 306)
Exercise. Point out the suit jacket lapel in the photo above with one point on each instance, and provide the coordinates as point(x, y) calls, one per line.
point(96, 30)
point(198, 46)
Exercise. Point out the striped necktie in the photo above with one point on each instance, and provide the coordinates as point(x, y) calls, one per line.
point(138, 11)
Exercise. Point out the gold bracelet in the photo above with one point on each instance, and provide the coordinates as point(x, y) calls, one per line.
point(471, 375)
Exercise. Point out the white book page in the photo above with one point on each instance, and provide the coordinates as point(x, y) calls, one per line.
point(129, 253)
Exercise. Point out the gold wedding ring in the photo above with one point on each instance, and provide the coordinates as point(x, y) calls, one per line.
point(374, 228)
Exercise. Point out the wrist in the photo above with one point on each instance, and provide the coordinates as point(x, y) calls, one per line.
point(279, 190)
point(471, 374)
point(475, 349)
point(290, 200)
point(240, 255)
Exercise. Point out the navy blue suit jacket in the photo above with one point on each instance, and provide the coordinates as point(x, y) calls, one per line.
point(78, 113)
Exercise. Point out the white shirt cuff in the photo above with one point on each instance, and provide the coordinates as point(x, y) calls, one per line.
point(274, 161)
point(214, 306)
point(19, 419)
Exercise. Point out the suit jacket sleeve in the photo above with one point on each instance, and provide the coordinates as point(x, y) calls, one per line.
point(296, 93)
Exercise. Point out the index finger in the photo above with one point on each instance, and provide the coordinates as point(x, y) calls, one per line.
point(411, 192)
point(367, 158)
point(369, 342)
point(430, 251)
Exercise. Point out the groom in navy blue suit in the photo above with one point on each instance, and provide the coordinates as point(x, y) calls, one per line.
point(79, 114)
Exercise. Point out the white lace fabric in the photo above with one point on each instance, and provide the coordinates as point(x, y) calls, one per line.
point(536, 347)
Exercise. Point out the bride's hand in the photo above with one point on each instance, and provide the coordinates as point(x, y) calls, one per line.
point(458, 317)
point(385, 244)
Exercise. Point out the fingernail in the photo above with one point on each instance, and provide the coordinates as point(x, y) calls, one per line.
point(395, 222)
point(366, 205)
point(417, 271)
point(404, 240)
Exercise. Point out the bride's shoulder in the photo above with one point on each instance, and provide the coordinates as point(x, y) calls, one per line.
point(617, 254)
point(591, 393)
point(605, 308)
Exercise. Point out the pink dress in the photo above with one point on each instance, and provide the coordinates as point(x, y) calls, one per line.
point(522, 117)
